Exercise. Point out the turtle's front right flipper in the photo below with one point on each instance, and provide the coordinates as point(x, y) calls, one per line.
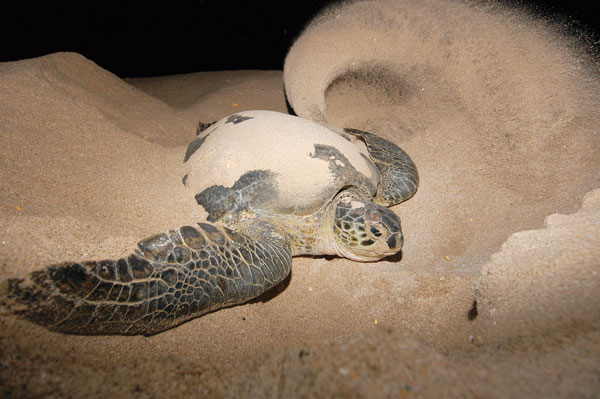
point(399, 175)
point(172, 277)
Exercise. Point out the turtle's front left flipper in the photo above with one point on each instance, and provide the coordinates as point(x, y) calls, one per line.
point(172, 277)
point(399, 175)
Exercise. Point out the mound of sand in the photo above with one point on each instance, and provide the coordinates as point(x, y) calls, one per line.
point(544, 283)
point(497, 109)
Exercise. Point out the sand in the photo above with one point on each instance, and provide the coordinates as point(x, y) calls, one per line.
point(498, 110)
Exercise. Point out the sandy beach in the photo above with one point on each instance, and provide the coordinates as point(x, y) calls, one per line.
point(496, 293)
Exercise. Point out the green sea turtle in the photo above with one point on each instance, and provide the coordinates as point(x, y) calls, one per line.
point(274, 186)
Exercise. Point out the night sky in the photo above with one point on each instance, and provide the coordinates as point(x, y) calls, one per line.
point(136, 39)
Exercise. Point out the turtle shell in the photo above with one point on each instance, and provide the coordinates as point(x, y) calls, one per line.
point(275, 162)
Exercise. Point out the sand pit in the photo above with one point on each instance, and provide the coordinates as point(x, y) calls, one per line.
point(498, 110)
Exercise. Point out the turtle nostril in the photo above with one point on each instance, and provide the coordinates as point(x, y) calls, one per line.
point(391, 242)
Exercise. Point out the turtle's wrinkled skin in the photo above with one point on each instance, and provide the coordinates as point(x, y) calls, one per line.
point(247, 248)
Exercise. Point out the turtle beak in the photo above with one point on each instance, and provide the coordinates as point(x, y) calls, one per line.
point(395, 242)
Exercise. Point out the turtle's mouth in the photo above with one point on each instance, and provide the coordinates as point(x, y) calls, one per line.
point(369, 249)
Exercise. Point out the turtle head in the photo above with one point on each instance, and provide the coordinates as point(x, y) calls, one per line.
point(365, 231)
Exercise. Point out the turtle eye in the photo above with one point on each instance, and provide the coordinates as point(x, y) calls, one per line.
point(375, 231)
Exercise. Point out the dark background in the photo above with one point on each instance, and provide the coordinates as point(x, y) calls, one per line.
point(135, 39)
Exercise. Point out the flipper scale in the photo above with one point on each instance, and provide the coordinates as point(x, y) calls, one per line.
point(171, 278)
